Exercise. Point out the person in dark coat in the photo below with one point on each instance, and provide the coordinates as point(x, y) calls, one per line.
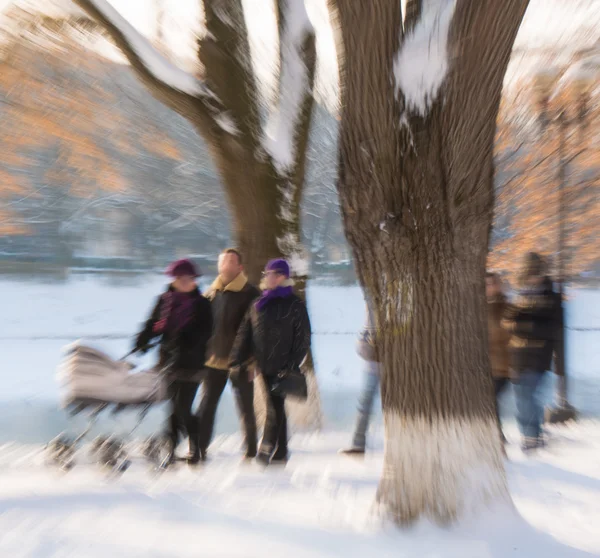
point(230, 295)
point(182, 318)
point(276, 332)
point(534, 322)
point(498, 338)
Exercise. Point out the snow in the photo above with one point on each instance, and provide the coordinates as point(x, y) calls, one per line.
point(319, 506)
point(280, 137)
point(152, 59)
point(403, 5)
point(227, 124)
point(422, 60)
point(295, 253)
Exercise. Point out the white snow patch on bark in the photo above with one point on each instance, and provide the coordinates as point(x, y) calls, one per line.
point(159, 66)
point(292, 249)
point(227, 124)
point(403, 4)
point(422, 61)
point(440, 469)
point(279, 141)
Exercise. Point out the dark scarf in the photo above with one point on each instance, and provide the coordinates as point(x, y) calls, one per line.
point(176, 311)
point(268, 295)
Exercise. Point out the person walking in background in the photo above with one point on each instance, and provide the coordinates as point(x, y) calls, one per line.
point(367, 351)
point(182, 318)
point(498, 339)
point(533, 321)
point(230, 297)
point(276, 332)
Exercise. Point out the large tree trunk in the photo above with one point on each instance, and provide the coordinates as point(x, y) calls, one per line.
point(416, 190)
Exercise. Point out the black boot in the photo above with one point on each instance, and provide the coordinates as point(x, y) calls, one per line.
point(195, 455)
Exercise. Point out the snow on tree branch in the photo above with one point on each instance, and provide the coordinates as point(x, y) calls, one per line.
point(422, 60)
point(141, 50)
point(295, 85)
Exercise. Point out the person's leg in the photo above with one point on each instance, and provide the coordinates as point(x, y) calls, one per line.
point(268, 444)
point(187, 394)
point(499, 387)
point(365, 408)
point(529, 416)
point(212, 388)
point(174, 425)
point(244, 398)
point(281, 453)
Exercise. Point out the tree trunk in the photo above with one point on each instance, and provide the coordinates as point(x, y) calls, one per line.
point(416, 190)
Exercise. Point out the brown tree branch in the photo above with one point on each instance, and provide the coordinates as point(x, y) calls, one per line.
point(225, 55)
point(177, 89)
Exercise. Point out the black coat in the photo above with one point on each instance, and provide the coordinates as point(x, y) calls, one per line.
point(187, 346)
point(535, 324)
point(229, 306)
point(277, 336)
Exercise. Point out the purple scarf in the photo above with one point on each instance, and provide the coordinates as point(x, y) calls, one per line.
point(177, 310)
point(268, 295)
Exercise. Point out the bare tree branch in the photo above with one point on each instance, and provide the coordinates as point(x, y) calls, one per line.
point(177, 89)
point(225, 55)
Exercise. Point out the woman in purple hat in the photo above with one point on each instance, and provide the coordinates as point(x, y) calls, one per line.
point(182, 319)
point(276, 332)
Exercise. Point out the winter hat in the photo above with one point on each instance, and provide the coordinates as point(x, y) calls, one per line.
point(182, 267)
point(533, 266)
point(279, 266)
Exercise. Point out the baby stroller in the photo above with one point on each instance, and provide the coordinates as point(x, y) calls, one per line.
point(92, 382)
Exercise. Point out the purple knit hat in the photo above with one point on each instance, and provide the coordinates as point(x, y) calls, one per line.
point(279, 266)
point(182, 267)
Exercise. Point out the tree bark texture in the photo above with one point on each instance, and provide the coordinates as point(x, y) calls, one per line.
point(417, 196)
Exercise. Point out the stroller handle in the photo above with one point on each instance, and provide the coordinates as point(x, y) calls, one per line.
point(139, 349)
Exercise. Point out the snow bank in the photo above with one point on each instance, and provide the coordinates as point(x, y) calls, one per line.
point(422, 61)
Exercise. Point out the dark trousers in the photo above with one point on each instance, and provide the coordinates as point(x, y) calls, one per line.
point(182, 421)
point(500, 385)
point(212, 388)
point(275, 437)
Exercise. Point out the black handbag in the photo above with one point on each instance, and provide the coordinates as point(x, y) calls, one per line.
point(290, 383)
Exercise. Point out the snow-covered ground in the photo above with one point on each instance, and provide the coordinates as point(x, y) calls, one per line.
point(320, 505)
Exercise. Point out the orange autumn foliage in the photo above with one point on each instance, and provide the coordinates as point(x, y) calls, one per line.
point(527, 185)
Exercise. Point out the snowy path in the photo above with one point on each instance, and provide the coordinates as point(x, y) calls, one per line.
point(318, 506)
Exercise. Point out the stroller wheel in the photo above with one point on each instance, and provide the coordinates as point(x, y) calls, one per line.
point(110, 452)
point(61, 451)
point(99, 443)
point(158, 450)
point(123, 466)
